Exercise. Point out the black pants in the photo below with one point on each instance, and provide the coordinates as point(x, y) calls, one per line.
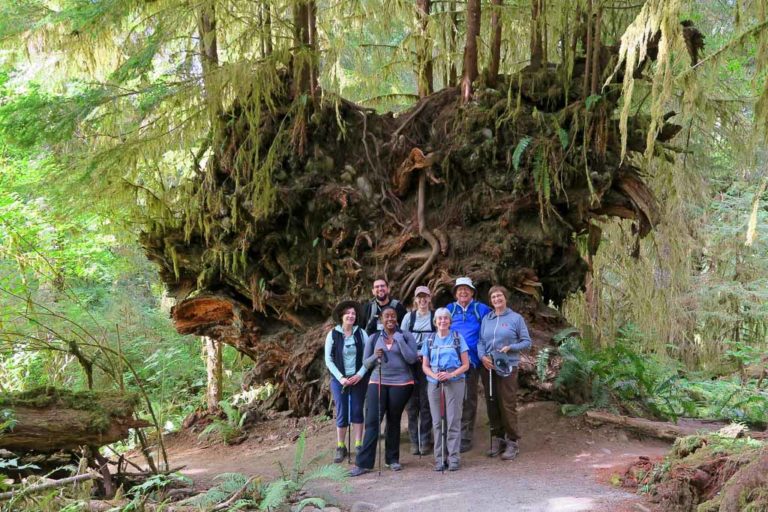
point(469, 410)
point(393, 400)
point(418, 410)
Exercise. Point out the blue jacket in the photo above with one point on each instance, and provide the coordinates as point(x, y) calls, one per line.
point(467, 323)
point(505, 330)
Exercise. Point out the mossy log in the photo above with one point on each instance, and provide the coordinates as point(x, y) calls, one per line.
point(304, 204)
point(707, 473)
point(48, 420)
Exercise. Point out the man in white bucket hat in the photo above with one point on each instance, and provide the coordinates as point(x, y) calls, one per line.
point(466, 316)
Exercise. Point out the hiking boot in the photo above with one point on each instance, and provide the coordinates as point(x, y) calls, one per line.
point(439, 466)
point(453, 466)
point(341, 452)
point(395, 466)
point(511, 452)
point(357, 471)
point(465, 446)
point(497, 444)
point(426, 449)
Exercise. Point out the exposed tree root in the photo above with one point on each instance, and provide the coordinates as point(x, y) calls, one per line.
point(517, 177)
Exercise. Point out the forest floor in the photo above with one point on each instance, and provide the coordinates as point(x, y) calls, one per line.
point(563, 466)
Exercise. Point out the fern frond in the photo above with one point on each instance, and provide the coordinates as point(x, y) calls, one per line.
point(333, 472)
point(275, 494)
point(542, 363)
point(519, 150)
point(315, 502)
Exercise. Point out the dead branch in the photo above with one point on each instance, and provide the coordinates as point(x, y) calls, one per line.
point(50, 485)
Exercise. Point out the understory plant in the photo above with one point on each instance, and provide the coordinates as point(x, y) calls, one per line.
point(621, 378)
point(230, 429)
point(276, 495)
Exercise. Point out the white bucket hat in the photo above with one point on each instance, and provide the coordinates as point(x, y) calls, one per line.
point(464, 281)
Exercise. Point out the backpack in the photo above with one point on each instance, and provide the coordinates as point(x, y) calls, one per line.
point(456, 343)
point(452, 307)
point(369, 312)
point(412, 322)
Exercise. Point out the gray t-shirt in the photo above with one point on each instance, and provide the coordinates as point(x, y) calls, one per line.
point(421, 327)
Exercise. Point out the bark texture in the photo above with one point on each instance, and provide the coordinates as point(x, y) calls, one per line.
point(49, 420)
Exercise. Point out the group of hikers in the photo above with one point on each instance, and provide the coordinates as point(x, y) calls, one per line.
point(383, 358)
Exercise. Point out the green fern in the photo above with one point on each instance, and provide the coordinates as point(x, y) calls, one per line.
point(519, 150)
point(563, 136)
point(315, 502)
point(229, 483)
point(276, 493)
point(541, 177)
point(542, 363)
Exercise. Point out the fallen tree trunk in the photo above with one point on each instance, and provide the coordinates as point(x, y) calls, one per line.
point(48, 420)
point(298, 208)
point(659, 429)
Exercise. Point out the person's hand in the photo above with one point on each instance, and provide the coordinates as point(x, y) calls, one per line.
point(379, 353)
point(504, 349)
point(443, 376)
point(487, 363)
point(344, 381)
point(353, 380)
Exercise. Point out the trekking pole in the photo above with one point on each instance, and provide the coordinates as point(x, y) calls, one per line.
point(349, 425)
point(418, 428)
point(378, 407)
point(491, 403)
point(443, 426)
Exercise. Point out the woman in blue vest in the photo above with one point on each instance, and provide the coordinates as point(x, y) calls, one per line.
point(344, 348)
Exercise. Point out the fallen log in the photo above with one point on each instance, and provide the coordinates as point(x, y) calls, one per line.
point(659, 429)
point(48, 419)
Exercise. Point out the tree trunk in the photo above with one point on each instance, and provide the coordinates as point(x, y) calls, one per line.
point(209, 57)
point(453, 41)
point(48, 420)
point(213, 365)
point(470, 72)
point(659, 429)
point(424, 64)
point(495, 58)
point(304, 55)
point(537, 28)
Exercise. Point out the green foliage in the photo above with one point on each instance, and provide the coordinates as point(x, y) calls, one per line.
point(229, 430)
point(7, 420)
point(619, 376)
point(273, 495)
point(542, 363)
point(517, 154)
point(158, 482)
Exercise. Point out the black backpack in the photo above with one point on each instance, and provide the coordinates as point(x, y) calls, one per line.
point(412, 323)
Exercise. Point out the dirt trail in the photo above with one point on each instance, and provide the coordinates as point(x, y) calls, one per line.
point(563, 467)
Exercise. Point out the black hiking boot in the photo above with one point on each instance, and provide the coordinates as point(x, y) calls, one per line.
point(341, 453)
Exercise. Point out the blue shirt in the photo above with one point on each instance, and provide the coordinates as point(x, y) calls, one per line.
point(467, 323)
point(443, 354)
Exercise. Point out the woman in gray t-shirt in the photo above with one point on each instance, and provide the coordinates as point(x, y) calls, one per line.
point(419, 322)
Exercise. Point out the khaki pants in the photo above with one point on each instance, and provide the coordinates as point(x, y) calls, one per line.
point(454, 396)
point(502, 407)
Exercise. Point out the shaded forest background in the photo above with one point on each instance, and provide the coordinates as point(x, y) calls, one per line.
point(109, 110)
